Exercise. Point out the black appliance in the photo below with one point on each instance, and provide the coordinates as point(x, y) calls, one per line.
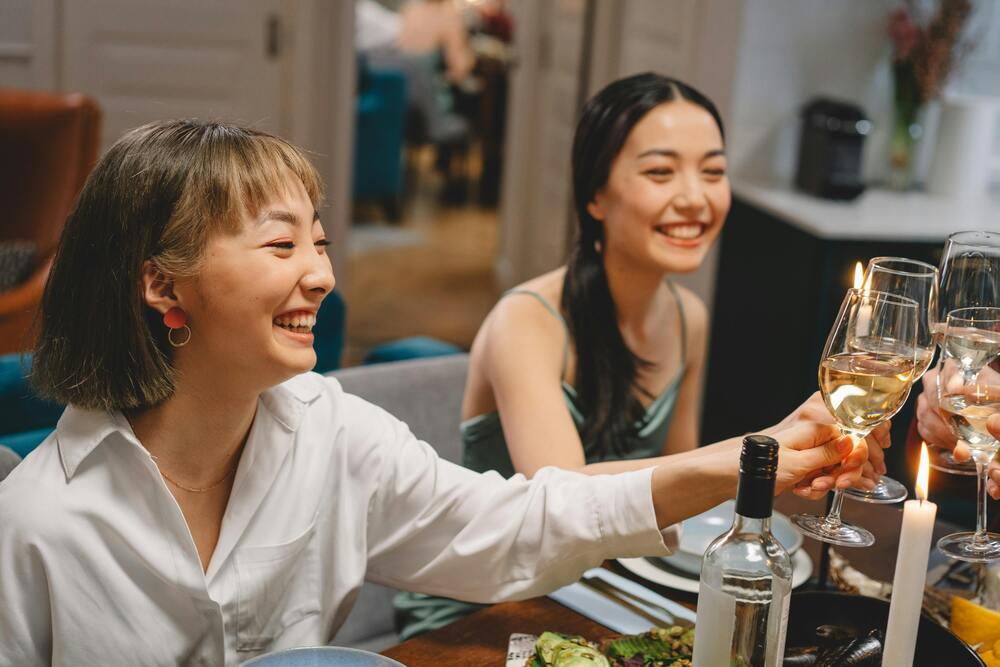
point(833, 135)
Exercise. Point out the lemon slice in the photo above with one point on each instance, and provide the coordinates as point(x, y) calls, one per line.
point(976, 625)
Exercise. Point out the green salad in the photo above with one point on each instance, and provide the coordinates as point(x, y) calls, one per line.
point(660, 647)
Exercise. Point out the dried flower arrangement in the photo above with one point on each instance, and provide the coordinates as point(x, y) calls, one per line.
point(924, 54)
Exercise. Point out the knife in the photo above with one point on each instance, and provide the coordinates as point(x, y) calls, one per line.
point(635, 604)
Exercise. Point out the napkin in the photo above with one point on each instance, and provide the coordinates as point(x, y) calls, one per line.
point(520, 648)
point(599, 608)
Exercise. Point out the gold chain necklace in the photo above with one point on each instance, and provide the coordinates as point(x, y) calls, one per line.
point(194, 489)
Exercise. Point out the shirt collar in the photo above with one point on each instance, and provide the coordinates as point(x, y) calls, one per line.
point(288, 401)
point(79, 430)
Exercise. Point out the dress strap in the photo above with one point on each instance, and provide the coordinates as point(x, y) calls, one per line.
point(680, 311)
point(556, 314)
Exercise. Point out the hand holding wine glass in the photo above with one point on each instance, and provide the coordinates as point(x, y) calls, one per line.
point(968, 392)
point(970, 277)
point(865, 375)
point(865, 465)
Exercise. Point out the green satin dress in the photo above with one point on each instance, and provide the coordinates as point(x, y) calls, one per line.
point(484, 448)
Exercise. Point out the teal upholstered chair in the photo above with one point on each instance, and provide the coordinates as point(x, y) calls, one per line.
point(378, 138)
point(24, 417)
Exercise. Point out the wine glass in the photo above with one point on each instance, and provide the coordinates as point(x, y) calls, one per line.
point(970, 277)
point(864, 378)
point(969, 394)
point(918, 281)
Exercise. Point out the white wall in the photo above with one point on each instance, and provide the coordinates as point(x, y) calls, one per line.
point(793, 50)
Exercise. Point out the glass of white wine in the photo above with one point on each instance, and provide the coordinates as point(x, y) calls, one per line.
point(969, 394)
point(864, 377)
point(918, 281)
point(970, 277)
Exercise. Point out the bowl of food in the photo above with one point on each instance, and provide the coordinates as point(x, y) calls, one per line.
point(699, 531)
point(322, 656)
point(827, 628)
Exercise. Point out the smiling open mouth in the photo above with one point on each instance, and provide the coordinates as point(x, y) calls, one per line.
point(296, 323)
point(682, 231)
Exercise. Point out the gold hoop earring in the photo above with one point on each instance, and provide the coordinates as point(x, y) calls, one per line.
point(187, 339)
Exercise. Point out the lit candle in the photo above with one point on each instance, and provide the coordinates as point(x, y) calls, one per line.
point(911, 573)
point(865, 309)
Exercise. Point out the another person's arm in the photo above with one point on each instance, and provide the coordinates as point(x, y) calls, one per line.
point(458, 56)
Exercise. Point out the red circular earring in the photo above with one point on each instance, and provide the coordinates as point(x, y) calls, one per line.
point(175, 319)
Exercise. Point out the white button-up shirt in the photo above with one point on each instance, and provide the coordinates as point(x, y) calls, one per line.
point(98, 567)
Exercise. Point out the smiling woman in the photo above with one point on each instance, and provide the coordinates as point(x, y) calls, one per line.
point(596, 367)
point(148, 211)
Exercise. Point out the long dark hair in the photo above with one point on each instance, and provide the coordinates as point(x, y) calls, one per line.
point(606, 369)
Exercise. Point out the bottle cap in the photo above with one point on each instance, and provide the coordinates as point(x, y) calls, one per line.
point(758, 470)
point(760, 456)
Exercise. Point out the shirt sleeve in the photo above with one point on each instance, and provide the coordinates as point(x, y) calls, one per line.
point(25, 619)
point(435, 527)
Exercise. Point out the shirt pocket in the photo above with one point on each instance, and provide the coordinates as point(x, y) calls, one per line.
point(277, 586)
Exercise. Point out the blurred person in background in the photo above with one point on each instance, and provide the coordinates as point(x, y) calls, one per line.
point(436, 26)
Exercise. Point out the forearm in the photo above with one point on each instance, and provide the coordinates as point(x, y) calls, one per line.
point(613, 467)
point(688, 484)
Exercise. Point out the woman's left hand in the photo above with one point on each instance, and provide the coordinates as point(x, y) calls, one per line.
point(863, 468)
point(810, 447)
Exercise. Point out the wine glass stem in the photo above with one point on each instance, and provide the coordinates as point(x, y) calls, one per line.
point(979, 539)
point(833, 516)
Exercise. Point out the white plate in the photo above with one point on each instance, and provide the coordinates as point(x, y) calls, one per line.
point(699, 531)
point(802, 568)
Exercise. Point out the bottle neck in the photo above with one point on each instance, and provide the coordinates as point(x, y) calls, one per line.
point(746, 524)
point(755, 496)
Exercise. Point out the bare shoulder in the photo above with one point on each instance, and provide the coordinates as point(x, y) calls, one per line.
point(521, 322)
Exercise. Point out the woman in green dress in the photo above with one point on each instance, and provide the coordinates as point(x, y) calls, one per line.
point(597, 366)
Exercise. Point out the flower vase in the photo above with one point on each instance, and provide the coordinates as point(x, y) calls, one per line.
point(907, 130)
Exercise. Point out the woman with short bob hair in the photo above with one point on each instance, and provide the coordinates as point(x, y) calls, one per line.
point(205, 498)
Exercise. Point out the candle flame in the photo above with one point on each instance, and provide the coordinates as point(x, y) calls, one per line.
point(923, 473)
point(859, 276)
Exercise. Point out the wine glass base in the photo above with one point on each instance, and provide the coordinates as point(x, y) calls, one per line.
point(886, 492)
point(942, 460)
point(961, 546)
point(843, 535)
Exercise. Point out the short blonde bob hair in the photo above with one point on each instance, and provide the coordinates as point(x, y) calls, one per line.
point(158, 194)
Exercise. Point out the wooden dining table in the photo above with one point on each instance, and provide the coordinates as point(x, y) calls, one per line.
point(481, 639)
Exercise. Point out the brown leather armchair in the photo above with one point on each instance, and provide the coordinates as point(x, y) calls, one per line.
point(48, 145)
